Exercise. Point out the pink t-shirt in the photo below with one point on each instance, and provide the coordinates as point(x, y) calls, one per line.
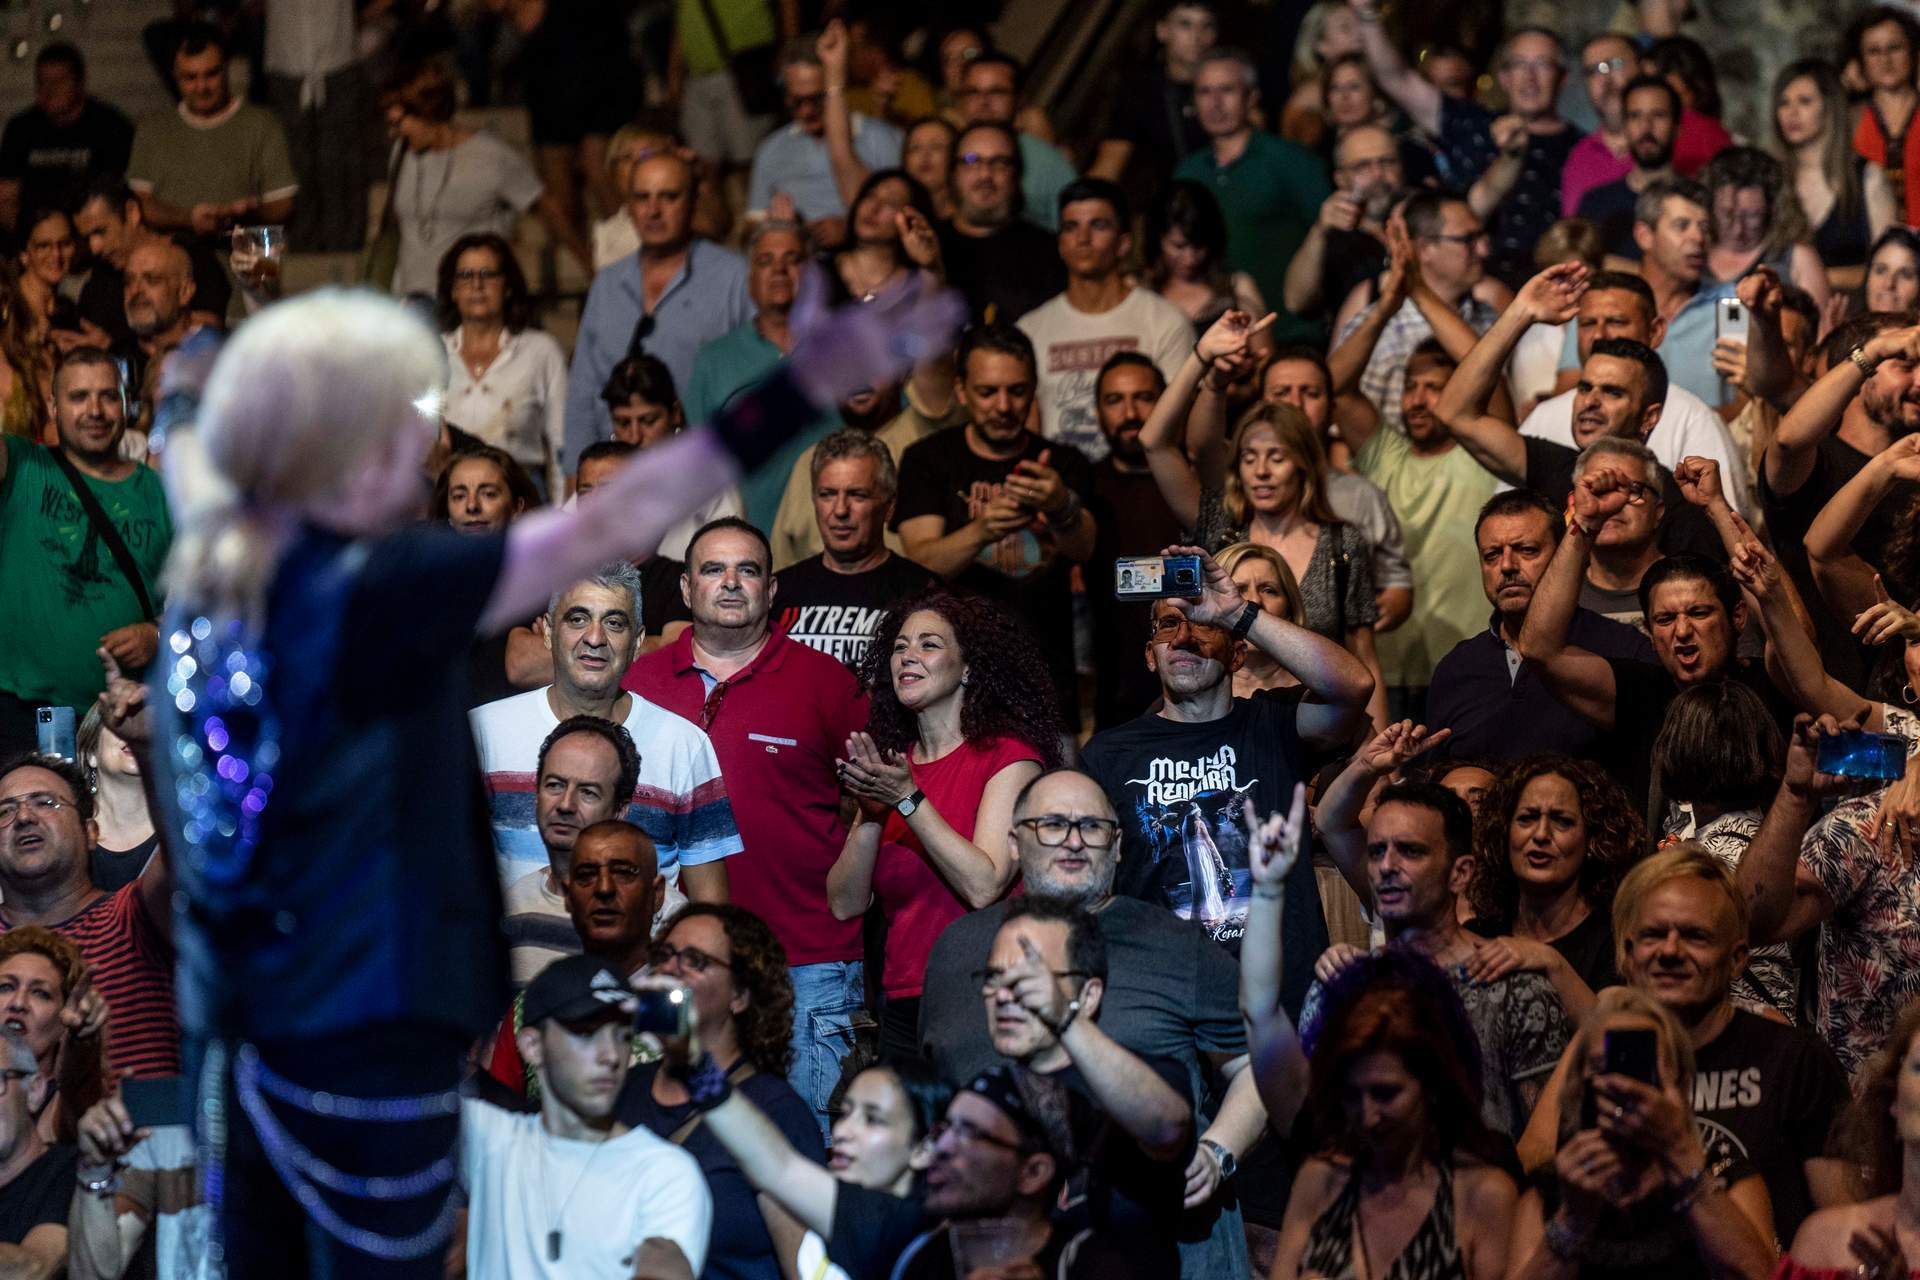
point(1590, 164)
point(1699, 140)
point(917, 902)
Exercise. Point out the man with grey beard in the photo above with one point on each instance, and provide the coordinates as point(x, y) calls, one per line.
point(1348, 242)
point(1170, 993)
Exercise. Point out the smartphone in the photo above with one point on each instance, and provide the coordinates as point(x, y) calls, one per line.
point(1156, 577)
point(156, 1100)
point(1634, 1053)
point(664, 1012)
point(1859, 754)
point(1731, 319)
point(54, 729)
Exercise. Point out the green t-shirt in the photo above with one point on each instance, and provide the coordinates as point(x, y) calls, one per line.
point(748, 24)
point(60, 590)
point(183, 164)
point(1437, 497)
point(1270, 197)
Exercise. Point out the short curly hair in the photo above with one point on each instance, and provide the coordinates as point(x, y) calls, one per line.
point(1616, 834)
point(1009, 693)
point(59, 951)
point(758, 964)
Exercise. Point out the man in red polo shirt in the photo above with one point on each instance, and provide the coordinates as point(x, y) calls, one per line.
point(778, 714)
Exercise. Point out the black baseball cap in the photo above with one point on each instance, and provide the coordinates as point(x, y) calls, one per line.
point(578, 989)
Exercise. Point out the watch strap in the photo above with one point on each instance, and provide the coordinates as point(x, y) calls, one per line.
point(1243, 625)
point(1860, 361)
point(906, 807)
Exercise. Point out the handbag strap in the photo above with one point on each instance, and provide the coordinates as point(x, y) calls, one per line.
point(103, 527)
point(719, 32)
point(741, 1071)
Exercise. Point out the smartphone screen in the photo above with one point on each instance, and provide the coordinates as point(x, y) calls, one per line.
point(1635, 1053)
point(156, 1100)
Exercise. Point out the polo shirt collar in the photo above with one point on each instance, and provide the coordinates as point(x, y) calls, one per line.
point(771, 655)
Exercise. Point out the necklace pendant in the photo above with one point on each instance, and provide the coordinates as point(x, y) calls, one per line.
point(553, 1246)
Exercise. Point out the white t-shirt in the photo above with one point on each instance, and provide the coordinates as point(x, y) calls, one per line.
point(604, 1198)
point(1072, 345)
point(680, 800)
point(1687, 428)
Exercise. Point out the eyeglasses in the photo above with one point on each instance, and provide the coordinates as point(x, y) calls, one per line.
point(990, 977)
point(795, 101)
point(1052, 829)
point(967, 1131)
point(998, 164)
point(40, 802)
point(478, 275)
point(1167, 624)
point(691, 959)
point(1606, 66)
point(587, 873)
point(1370, 164)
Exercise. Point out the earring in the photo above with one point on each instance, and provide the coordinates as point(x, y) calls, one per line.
point(1908, 696)
point(966, 677)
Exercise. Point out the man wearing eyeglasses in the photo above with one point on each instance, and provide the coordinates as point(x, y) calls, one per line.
point(1005, 265)
point(1348, 242)
point(1168, 996)
point(1608, 62)
point(38, 1182)
point(990, 94)
point(793, 159)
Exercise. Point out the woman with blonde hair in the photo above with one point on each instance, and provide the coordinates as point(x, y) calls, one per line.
point(1264, 579)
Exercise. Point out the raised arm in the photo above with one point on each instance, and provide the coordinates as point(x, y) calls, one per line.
point(1465, 407)
point(1414, 92)
point(772, 1164)
point(1783, 901)
point(1815, 415)
point(1221, 350)
point(1278, 1064)
point(123, 709)
point(1845, 580)
point(838, 352)
point(1496, 184)
point(1337, 815)
point(1769, 372)
point(849, 170)
point(1581, 681)
point(1349, 357)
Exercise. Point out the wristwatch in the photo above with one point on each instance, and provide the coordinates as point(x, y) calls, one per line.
point(1228, 1165)
point(1859, 357)
point(906, 807)
point(1243, 625)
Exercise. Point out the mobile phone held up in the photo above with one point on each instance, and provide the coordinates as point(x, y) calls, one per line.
point(664, 1012)
point(1156, 577)
point(1633, 1052)
point(1731, 319)
point(1881, 757)
point(53, 732)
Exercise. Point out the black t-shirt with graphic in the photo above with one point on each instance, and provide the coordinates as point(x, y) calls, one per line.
point(52, 162)
point(1182, 791)
point(1024, 572)
point(1768, 1093)
point(836, 613)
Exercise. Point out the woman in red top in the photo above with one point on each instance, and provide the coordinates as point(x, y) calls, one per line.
point(1881, 42)
point(961, 720)
point(1872, 1240)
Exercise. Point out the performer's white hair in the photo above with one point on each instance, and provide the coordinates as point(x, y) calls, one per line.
point(304, 400)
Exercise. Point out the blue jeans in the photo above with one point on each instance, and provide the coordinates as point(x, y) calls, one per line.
point(829, 1014)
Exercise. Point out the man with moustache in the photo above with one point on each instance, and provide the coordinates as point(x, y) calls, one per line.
point(1003, 264)
point(66, 592)
point(1650, 116)
point(1348, 242)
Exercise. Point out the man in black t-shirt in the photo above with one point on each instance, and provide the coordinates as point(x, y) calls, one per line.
point(1182, 778)
point(48, 151)
point(1133, 520)
point(34, 1198)
point(110, 218)
point(998, 510)
point(1005, 265)
point(834, 601)
point(1763, 1091)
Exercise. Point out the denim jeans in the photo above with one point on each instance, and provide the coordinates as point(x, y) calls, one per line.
point(829, 1018)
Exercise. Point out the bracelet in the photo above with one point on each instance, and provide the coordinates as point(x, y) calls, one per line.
point(1269, 892)
point(707, 1084)
point(105, 1184)
point(1561, 1241)
point(1206, 362)
point(1073, 1011)
point(1067, 514)
point(1691, 1189)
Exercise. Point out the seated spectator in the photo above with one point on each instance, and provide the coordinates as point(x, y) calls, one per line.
point(1631, 1185)
point(736, 972)
point(1609, 61)
point(645, 411)
point(1269, 189)
point(111, 219)
point(1650, 113)
point(1846, 199)
point(1436, 289)
point(1005, 265)
point(1686, 65)
point(215, 162)
point(1764, 1093)
point(674, 296)
point(836, 600)
point(640, 1192)
point(612, 892)
point(50, 150)
point(127, 841)
point(1169, 994)
point(1753, 223)
point(63, 604)
point(1263, 578)
point(1893, 270)
point(1186, 257)
point(47, 1001)
point(1395, 1116)
point(1881, 41)
point(1347, 245)
point(681, 801)
point(1098, 313)
point(46, 828)
point(1183, 776)
point(960, 720)
point(509, 384)
point(1553, 837)
point(990, 89)
point(38, 1175)
point(1419, 859)
point(794, 159)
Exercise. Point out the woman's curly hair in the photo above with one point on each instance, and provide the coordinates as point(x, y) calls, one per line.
point(1616, 833)
point(1009, 693)
point(758, 964)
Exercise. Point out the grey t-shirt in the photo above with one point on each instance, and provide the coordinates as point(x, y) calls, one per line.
point(182, 162)
point(481, 184)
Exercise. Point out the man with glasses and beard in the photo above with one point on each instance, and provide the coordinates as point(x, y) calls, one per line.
point(1348, 242)
point(1005, 265)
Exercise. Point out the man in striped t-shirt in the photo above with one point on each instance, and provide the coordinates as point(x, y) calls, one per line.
point(126, 937)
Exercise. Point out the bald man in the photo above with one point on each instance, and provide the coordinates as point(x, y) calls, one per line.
point(159, 286)
point(674, 296)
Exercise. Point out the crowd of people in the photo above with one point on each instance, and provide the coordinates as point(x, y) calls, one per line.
point(1357, 718)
